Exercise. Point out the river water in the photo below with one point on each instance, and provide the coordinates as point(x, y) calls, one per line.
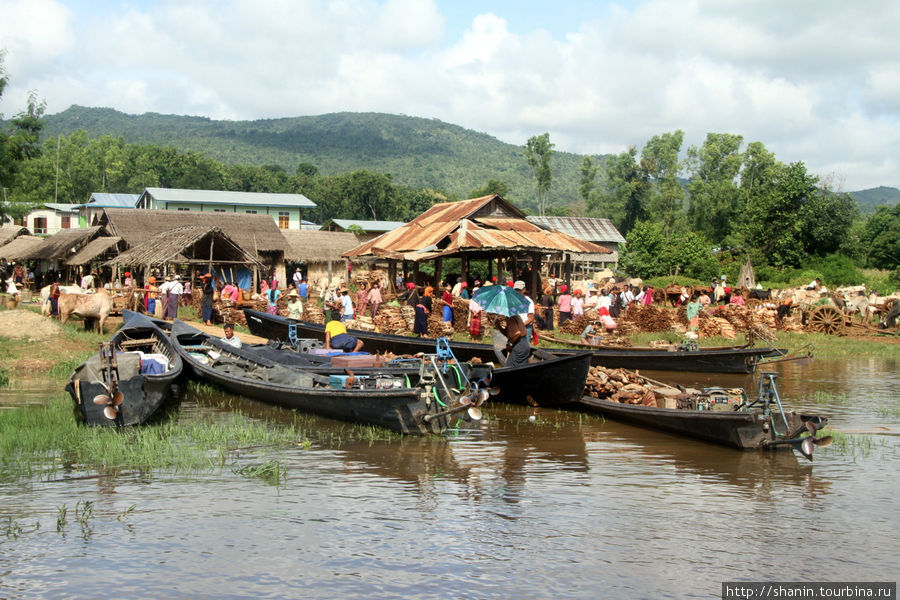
point(565, 506)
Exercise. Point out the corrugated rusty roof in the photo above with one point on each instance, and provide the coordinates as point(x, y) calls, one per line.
point(586, 228)
point(488, 223)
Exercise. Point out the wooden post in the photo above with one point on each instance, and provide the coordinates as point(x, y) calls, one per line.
point(535, 282)
point(567, 269)
point(464, 263)
point(515, 267)
point(490, 268)
point(392, 275)
point(438, 271)
point(416, 271)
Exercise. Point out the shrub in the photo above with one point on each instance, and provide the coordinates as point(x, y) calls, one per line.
point(837, 269)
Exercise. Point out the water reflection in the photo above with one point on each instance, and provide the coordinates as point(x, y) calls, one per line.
point(566, 505)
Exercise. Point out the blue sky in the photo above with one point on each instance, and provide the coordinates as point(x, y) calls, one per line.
point(814, 81)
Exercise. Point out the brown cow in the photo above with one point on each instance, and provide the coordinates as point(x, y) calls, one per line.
point(86, 306)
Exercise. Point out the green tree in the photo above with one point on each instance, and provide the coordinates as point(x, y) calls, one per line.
point(18, 144)
point(881, 238)
point(648, 253)
point(493, 186)
point(588, 172)
point(358, 195)
point(538, 151)
point(644, 249)
point(826, 221)
point(660, 163)
point(772, 222)
point(624, 200)
point(713, 185)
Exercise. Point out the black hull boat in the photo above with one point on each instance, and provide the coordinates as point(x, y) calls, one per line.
point(554, 381)
point(550, 382)
point(130, 379)
point(424, 400)
point(760, 424)
point(737, 359)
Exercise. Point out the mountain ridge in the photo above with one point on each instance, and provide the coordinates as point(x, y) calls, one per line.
point(418, 151)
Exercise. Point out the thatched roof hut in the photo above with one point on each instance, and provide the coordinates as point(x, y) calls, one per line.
point(257, 234)
point(196, 245)
point(63, 244)
point(10, 232)
point(20, 247)
point(311, 246)
point(320, 250)
point(96, 249)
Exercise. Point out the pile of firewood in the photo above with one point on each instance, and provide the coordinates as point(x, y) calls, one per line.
point(619, 385)
point(576, 325)
point(648, 318)
point(390, 319)
point(711, 326)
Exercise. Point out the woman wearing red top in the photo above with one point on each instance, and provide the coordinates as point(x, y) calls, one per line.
point(447, 299)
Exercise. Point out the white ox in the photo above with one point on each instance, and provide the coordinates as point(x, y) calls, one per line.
point(45, 296)
point(87, 306)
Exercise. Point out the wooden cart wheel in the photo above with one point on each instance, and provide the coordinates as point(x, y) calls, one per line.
point(659, 296)
point(827, 319)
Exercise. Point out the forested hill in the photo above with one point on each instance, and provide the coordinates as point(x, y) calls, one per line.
point(871, 199)
point(418, 152)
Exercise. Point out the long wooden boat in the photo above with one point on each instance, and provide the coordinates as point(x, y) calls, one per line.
point(743, 429)
point(130, 379)
point(405, 402)
point(737, 359)
point(550, 382)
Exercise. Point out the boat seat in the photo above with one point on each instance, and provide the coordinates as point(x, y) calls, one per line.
point(92, 370)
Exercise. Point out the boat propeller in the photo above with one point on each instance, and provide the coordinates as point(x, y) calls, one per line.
point(806, 445)
point(113, 398)
point(111, 401)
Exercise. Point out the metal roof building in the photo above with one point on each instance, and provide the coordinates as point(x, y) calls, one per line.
point(285, 209)
point(599, 231)
point(488, 227)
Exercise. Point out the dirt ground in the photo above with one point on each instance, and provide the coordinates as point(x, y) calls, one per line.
point(25, 324)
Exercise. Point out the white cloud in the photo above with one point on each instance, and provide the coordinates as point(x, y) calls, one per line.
point(818, 84)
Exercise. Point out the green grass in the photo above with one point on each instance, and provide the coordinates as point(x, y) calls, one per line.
point(39, 441)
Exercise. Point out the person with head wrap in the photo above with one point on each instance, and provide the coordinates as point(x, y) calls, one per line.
point(547, 303)
point(564, 303)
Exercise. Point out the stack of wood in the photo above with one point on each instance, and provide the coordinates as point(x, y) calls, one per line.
point(711, 326)
point(364, 323)
point(409, 315)
point(460, 315)
point(369, 277)
point(437, 327)
point(619, 385)
point(648, 318)
point(313, 313)
point(575, 326)
point(390, 319)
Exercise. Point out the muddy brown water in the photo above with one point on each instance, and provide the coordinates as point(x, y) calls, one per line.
point(566, 506)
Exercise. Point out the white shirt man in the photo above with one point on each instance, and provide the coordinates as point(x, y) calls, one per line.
point(528, 315)
point(176, 287)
